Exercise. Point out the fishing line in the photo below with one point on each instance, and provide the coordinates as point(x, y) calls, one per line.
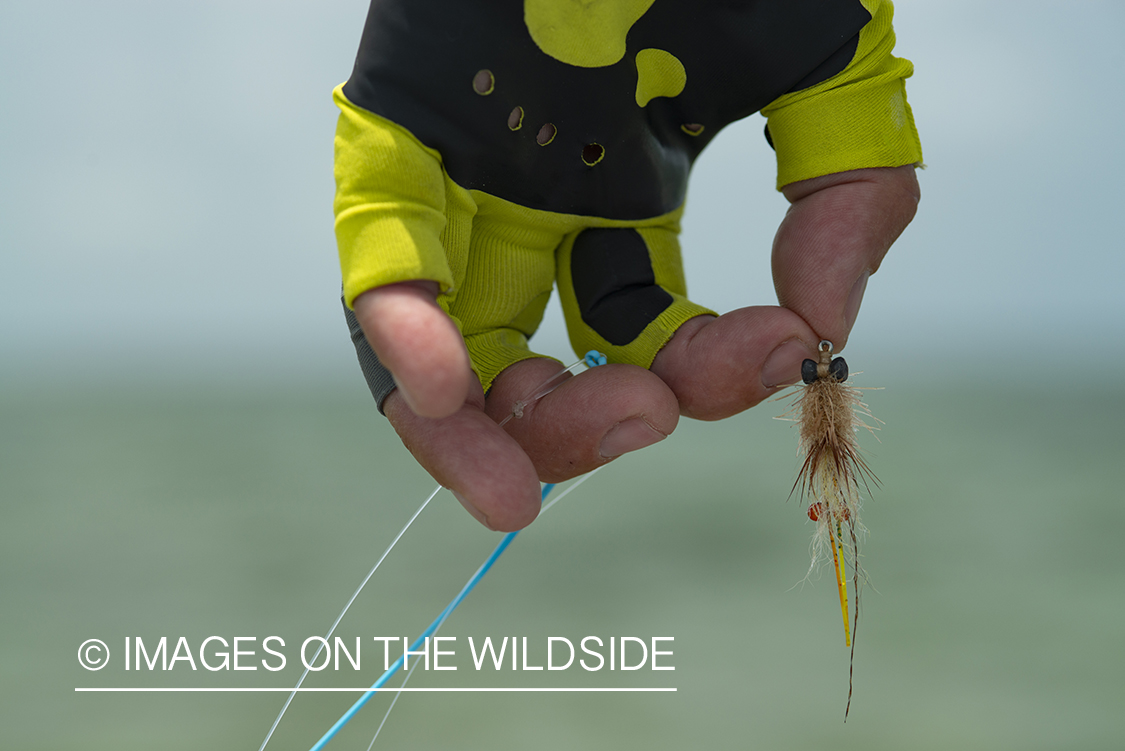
point(592, 359)
point(392, 706)
point(409, 673)
point(343, 612)
point(573, 485)
point(422, 638)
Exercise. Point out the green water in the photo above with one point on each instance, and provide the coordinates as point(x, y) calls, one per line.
point(994, 549)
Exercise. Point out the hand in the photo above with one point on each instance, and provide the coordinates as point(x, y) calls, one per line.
point(834, 236)
point(440, 412)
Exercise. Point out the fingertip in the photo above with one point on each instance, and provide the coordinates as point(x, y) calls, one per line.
point(471, 455)
point(504, 517)
point(721, 366)
point(498, 487)
point(420, 344)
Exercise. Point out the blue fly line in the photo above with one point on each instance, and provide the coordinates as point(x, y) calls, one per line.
point(593, 358)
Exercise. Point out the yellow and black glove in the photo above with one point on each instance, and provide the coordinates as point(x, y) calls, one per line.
point(499, 148)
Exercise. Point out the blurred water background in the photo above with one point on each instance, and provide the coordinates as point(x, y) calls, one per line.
point(187, 448)
point(994, 550)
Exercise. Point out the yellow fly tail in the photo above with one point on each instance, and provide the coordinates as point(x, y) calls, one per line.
point(841, 583)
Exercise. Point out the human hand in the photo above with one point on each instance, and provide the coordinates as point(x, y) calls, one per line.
point(440, 411)
point(833, 237)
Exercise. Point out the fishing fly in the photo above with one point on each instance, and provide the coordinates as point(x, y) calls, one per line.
point(829, 413)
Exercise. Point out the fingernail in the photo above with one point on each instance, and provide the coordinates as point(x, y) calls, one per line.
point(855, 297)
point(627, 436)
point(783, 366)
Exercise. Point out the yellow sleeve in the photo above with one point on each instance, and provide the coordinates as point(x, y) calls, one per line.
point(389, 206)
point(858, 118)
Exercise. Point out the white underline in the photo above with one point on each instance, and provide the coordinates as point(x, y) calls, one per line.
point(116, 689)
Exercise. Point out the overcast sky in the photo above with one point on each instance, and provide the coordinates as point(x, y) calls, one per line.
point(166, 187)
